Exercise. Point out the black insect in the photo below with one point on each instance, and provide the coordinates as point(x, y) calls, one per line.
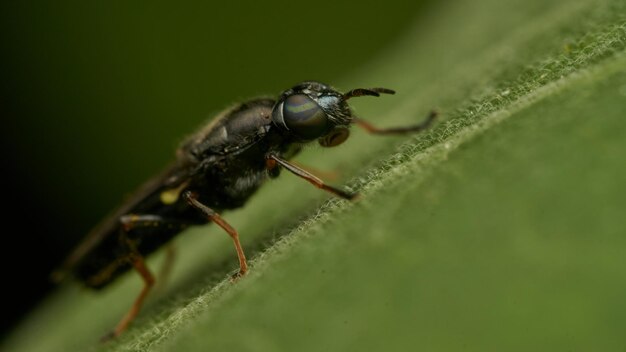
point(216, 169)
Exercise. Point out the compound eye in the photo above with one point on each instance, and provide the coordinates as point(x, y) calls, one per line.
point(304, 117)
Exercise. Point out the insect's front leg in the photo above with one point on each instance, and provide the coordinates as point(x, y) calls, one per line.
point(213, 216)
point(396, 130)
point(272, 161)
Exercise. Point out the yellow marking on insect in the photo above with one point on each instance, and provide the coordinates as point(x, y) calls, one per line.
point(171, 196)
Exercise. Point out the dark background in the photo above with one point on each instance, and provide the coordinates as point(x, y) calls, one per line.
point(95, 98)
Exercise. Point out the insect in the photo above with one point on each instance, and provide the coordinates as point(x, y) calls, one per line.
point(218, 168)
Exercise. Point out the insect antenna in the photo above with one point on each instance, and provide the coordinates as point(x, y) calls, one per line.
point(374, 92)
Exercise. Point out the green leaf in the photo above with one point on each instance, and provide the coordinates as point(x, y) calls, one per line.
point(499, 229)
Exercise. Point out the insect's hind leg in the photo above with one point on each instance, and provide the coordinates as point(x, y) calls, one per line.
point(148, 279)
point(166, 266)
point(135, 222)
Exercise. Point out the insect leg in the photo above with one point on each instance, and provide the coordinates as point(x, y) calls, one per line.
point(273, 159)
point(192, 199)
point(396, 130)
point(166, 267)
point(128, 223)
point(133, 221)
point(325, 174)
point(139, 265)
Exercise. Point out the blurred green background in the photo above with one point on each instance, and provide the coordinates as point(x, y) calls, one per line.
point(96, 96)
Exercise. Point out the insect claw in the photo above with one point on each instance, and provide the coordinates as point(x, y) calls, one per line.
point(236, 276)
point(355, 197)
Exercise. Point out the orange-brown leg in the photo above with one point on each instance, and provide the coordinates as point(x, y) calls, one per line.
point(139, 265)
point(272, 160)
point(134, 221)
point(325, 174)
point(396, 130)
point(128, 223)
point(271, 164)
point(166, 267)
point(192, 199)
